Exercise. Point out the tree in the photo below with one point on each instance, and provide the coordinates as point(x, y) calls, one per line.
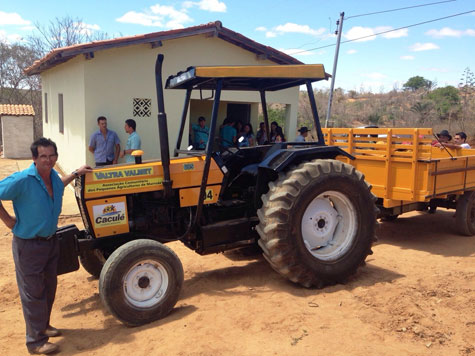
point(15, 86)
point(422, 109)
point(467, 91)
point(416, 83)
point(64, 32)
point(446, 102)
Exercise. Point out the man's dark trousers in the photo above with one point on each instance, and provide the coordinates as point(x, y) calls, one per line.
point(36, 263)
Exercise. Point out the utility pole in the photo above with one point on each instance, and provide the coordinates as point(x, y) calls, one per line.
point(335, 62)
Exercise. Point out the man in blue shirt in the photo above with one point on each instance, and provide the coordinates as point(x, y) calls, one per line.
point(37, 195)
point(105, 144)
point(201, 134)
point(228, 134)
point(133, 142)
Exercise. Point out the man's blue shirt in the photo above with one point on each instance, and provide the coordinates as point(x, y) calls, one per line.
point(35, 210)
point(133, 143)
point(201, 134)
point(104, 149)
point(228, 133)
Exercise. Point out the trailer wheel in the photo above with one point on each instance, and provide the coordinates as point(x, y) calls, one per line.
point(141, 282)
point(317, 223)
point(465, 214)
point(92, 261)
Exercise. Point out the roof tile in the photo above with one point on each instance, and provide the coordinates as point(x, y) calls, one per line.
point(16, 110)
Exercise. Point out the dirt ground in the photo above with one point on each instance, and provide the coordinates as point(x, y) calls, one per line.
point(415, 296)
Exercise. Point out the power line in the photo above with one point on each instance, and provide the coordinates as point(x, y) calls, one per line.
point(380, 33)
point(401, 8)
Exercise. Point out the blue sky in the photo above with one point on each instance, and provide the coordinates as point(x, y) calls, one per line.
point(438, 51)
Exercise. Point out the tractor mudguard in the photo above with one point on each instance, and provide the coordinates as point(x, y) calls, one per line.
point(278, 159)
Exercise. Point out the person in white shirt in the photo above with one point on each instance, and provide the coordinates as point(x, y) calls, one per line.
point(303, 134)
point(460, 139)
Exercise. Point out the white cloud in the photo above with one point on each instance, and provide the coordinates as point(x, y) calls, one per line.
point(369, 34)
point(295, 28)
point(261, 28)
point(351, 51)
point(270, 34)
point(158, 16)
point(12, 18)
point(407, 58)
point(140, 19)
point(444, 32)
point(449, 32)
point(358, 32)
point(374, 75)
point(10, 37)
point(207, 5)
point(177, 19)
point(417, 47)
point(87, 29)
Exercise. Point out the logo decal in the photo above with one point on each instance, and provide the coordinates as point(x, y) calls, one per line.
point(109, 214)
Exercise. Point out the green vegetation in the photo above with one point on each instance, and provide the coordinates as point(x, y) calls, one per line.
point(419, 104)
point(416, 83)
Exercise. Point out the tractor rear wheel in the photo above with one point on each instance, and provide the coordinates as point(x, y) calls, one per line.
point(141, 281)
point(465, 214)
point(317, 222)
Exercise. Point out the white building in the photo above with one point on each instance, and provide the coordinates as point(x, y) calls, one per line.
point(115, 78)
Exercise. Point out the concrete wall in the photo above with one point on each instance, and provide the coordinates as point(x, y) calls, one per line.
point(107, 84)
point(66, 79)
point(18, 134)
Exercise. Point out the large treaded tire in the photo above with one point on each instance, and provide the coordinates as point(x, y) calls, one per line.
point(465, 214)
point(321, 188)
point(141, 281)
point(92, 261)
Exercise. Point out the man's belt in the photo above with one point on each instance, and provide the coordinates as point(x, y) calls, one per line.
point(44, 238)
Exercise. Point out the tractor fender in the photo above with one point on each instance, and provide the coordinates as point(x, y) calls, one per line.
point(280, 159)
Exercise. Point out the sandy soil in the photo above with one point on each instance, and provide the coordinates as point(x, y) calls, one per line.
point(415, 296)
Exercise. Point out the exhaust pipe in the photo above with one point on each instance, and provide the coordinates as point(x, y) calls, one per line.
point(162, 128)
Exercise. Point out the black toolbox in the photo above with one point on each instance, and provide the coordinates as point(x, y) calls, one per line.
point(68, 249)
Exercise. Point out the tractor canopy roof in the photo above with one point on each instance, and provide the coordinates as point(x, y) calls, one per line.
point(260, 78)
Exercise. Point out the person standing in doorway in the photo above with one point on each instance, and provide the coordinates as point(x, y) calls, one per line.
point(104, 144)
point(228, 134)
point(200, 134)
point(261, 135)
point(133, 142)
point(37, 195)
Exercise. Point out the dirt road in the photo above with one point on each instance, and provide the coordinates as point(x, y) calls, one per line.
point(415, 296)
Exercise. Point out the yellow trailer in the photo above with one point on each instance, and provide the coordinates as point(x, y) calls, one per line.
point(408, 173)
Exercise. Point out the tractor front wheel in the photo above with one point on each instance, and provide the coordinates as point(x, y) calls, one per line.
point(317, 222)
point(141, 281)
point(92, 261)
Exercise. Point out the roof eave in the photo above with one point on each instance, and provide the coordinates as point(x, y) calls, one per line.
point(61, 55)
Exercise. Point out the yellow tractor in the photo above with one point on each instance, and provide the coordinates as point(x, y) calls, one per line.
point(312, 216)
